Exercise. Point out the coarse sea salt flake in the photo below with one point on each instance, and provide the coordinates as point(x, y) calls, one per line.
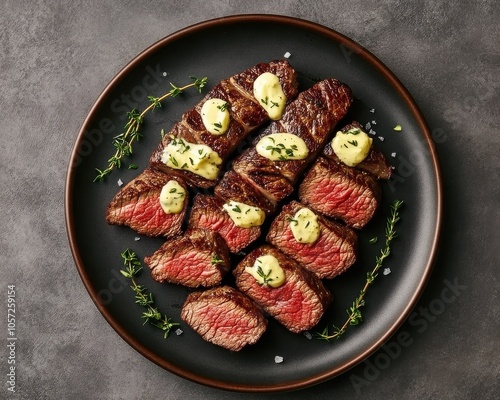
point(287, 54)
point(393, 154)
point(374, 122)
point(137, 238)
point(372, 110)
point(368, 125)
point(278, 359)
point(381, 138)
point(372, 132)
point(179, 332)
point(308, 335)
point(119, 182)
point(387, 271)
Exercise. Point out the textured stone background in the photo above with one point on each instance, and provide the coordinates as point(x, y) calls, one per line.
point(57, 56)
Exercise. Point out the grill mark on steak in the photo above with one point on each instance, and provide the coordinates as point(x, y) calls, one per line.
point(298, 304)
point(137, 206)
point(375, 163)
point(207, 213)
point(341, 192)
point(312, 117)
point(225, 317)
point(200, 257)
point(332, 254)
point(245, 111)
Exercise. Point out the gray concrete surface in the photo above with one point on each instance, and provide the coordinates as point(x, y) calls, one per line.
point(56, 57)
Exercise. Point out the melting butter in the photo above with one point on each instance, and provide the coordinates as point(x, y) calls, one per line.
point(215, 116)
point(282, 147)
point(172, 197)
point(305, 226)
point(243, 215)
point(352, 147)
point(197, 158)
point(267, 271)
point(269, 93)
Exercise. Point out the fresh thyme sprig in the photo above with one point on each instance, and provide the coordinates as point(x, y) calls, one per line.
point(354, 315)
point(123, 142)
point(142, 296)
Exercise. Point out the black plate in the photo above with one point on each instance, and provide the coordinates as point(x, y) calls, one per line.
point(217, 49)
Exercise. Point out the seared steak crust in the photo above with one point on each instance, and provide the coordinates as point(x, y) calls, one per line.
point(245, 111)
point(375, 163)
point(341, 192)
point(298, 304)
point(207, 213)
point(200, 257)
point(329, 256)
point(225, 317)
point(137, 205)
point(312, 117)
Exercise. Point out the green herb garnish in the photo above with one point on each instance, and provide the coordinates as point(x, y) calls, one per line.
point(354, 315)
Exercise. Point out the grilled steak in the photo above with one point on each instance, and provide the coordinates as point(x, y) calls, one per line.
point(375, 163)
point(225, 317)
point(233, 187)
point(207, 213)
point(137, 205)
point(341, 192)
point(198, 258)
point(312, 117)
point(245, 111)
point(332, 253)
point(298, 304)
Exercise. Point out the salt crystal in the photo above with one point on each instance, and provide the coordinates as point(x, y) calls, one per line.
point(372, 110)
point(381, 138)
point(278, 359)
point(372, 132)
point(164, 74)
point(179, 331)
point(287, 55)
point(137, 238)
point(393, 154)
point(120, 182)
point(308, 335)
point(368, 126)
point(387, 271)
point(374, 122)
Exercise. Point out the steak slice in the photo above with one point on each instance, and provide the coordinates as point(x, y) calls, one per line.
point(207, 213)
point(332, 253)
point(245, 111)
point(137, 205)
point(341, 192)
point(233, 187)
point(375, 162)
point(198, 258)
point(312, 117)
point(298, 304)
point(225, 317)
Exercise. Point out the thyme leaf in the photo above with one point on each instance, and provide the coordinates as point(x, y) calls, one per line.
point(354, 314)
point(124, 141)
point(132, 267)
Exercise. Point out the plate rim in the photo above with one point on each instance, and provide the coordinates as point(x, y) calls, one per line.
point(406, 98)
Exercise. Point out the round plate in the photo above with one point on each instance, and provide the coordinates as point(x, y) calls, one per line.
point(218, 49)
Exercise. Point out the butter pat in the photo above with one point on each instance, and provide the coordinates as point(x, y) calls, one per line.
point(172, 197)
point(304, 226)
point(267, 271)
point(282, 147)
point(243, 215)
point(215, 116)
point(352, 147)
point(268, 92)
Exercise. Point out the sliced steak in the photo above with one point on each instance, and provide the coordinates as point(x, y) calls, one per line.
point(200, 257)
point(245, 111)
point(375, 163)
point(341, 192)
point(207, 213)
point(233, 187)
point(298, 304)
point(330, 255)
point(312, 117)
point(137, 205)
point(225, 317)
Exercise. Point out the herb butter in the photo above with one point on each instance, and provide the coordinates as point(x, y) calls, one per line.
point(282, 147)
point(172, 197)
point(243, 215)
point(304, 226)
point(196, 158)
point(267, 271)
point(269, 93)
point(352, 146)
point(215, 116)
